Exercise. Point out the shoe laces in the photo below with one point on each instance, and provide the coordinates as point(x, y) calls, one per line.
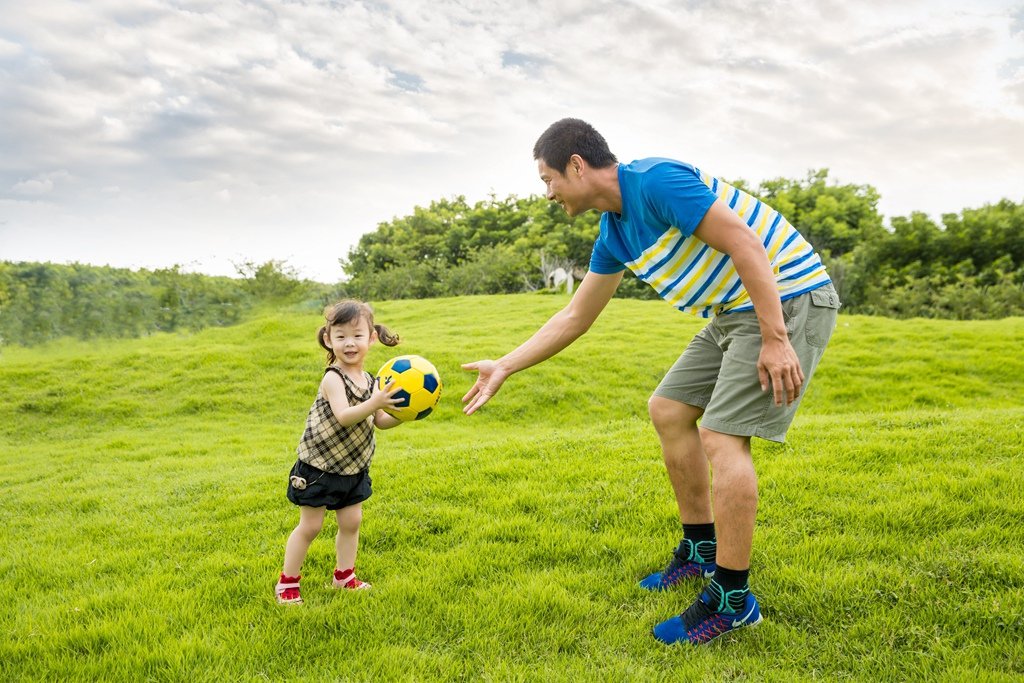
point(675, 564)
point(696, 613)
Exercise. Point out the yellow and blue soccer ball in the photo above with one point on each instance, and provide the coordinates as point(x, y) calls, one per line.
point(419, 386)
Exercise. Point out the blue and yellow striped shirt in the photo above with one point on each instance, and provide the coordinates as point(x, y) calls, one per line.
point(663, 202)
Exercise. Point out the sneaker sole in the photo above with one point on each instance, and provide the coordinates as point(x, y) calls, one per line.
point(684, 641)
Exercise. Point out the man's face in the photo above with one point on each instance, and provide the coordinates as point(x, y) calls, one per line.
point(563, 187)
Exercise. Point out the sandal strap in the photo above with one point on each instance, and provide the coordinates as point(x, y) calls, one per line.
point(281, 587)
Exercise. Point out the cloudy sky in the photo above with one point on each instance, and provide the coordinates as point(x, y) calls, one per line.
point(145, 133)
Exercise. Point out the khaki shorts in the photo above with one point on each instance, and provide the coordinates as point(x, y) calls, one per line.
point(718, 370)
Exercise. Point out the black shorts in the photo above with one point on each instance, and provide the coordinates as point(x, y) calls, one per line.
point(325, 489)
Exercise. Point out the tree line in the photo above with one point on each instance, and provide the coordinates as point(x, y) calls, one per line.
point(971, 266)
point(44, 301)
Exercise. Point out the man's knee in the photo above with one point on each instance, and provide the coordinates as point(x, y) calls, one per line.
point(669, 416)
point(720, 446)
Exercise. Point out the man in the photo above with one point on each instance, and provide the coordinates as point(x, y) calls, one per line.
point(709, 249)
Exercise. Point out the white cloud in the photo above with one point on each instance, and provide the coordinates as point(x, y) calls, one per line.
point(41, 184)
point(9, 49)
point(292, 128)
point(33, 187)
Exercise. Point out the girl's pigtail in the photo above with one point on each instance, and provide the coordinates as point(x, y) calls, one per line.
point(386, 336)
point(320, 339)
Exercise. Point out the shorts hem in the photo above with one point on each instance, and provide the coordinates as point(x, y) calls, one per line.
point(742, 430)
point(333, 507)
point(350, 503)
point(696, 400)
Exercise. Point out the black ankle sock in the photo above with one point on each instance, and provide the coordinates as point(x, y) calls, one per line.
point(698, 544)
point(699, 532)
point(728, 589)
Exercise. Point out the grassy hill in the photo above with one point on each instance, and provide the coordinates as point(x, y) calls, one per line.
point(145, 519)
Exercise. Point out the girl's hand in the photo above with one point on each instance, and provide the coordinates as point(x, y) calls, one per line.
point(382, 420)
point(385, 398)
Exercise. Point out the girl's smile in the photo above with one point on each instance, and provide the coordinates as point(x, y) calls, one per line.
point(350, 342)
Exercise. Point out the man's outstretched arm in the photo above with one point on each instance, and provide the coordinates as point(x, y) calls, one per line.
point(561, 330)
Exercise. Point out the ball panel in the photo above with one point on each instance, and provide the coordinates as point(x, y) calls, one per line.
point(422, 364)
point(419, 386)
point(411, 380)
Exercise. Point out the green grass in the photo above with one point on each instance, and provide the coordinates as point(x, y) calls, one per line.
point(144, 513)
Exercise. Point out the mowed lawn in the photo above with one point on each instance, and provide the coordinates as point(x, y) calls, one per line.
point(144, 516)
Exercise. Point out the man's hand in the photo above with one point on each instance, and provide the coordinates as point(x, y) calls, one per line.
point(491, 377)
point(779, 366)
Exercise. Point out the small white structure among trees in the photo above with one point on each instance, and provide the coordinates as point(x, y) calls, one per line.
point(557, 272)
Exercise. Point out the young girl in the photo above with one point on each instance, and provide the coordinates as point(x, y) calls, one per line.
point(333, 467)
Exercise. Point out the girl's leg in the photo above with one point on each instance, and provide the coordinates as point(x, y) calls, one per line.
point(311, 520)
point(347, 541)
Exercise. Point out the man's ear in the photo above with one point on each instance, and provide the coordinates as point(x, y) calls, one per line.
point(576, 166)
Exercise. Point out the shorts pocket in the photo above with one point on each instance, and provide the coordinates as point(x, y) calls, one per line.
point(825, 297)
point(821, 318)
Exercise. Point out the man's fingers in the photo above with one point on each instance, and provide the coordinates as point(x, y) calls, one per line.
point(785, 376)
point(779, 390)
point(487, 383)
point(475, 389)
point(783, 386)
point(765, 377)
point(787, 387)
point(478, 401)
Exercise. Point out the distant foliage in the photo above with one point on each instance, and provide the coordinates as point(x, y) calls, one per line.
point(452, 248)
point(44, 301)
point(970, 267)
point(272, 280)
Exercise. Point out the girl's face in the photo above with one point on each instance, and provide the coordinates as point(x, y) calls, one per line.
point(350, 341)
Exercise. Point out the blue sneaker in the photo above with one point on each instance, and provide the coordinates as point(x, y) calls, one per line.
point(701, 624)
point(679, 569)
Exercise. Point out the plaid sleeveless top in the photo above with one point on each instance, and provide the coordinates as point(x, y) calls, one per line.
point(328, 445)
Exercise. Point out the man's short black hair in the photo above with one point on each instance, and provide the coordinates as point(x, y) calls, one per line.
point(564, 138)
